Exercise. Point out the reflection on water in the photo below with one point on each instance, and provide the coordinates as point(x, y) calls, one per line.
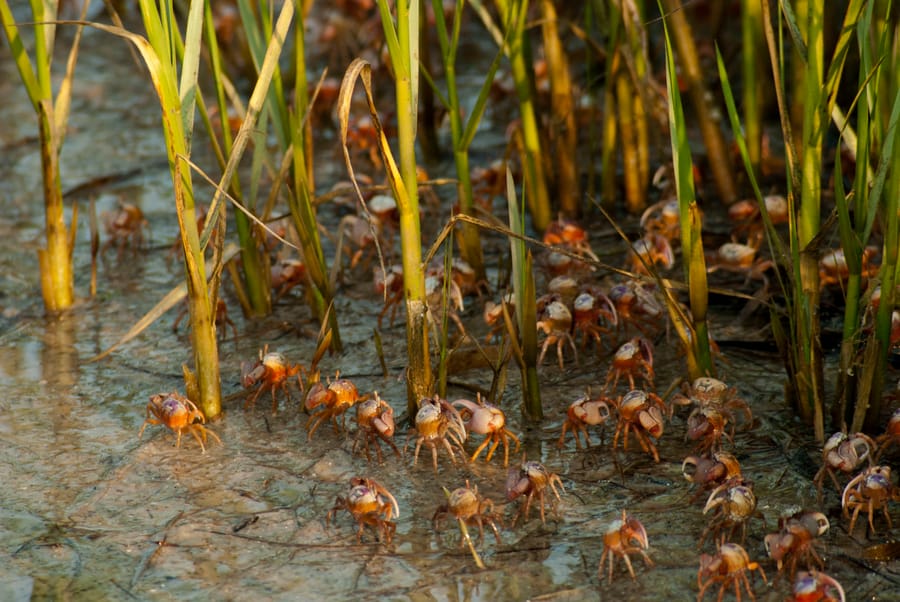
point(59, 361)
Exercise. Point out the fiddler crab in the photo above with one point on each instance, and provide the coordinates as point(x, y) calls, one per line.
point(594, 315)
point(734, 504)
point(706, 426)
point(747, 218)
point(708, 472)
point(708, 392)
point(637, 305)
point(624, 537)
point(370, 503)
point(271, 372)
point(375, 422)
point(663, 218)
point(815, 586)
point(567, 233)
point(870, 490)
point(634, 358)
point(796, 539)
point(179, 414)
point(556, 322)
point(362, 233)
point(441, 305)
point(740, 258)
point(493, 315)
point(125, 226)
point(334, 399)
point(640, 413)
point(585, 412)
point(891, 434)
point(648, 252)
point(468, 507)
point(389, 284)
point(438, 423)
point(834, 271)
point(285, 274)
point(844, 453)
point(729, 566)
point(531, 479)
point(486, 419)
point(222, 320)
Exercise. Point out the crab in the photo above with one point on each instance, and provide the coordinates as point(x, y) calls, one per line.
point(222, 319)
point(734, 504)
point(124, 226)
point(468, 508)
point(816, 587)
point(624, 537)
point(389, 284)
point(359, 236)
point(633, 358)
point(739, 258)
point(636, 305)
point(844, 453)
point(648, 252)
point(870, 490)
point(663, 218)
point(891, 435)
point(370, 503)
point(444, 299)
point(567, 233)
point(335, 399)
point(438, 423)
point(746, 217)
point(493, 315)
point(179, 414)
point(729, 566)
point(285, 274)
point(706, 425)
point(834, 271)
point(594, 315)
point(705, 392)
point(796, 539)
point(556, 322)
point(271, 372)
point(582, 413)
point(486, 419)
point(375, 422)
point(708, 472)
point(531, 479)
point(640, 412)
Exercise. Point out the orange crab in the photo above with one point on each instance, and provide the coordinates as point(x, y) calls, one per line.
point(375, 421)
point(624, 537)
point(180, 414)
point(335, 398)
point(369, 503)
point(641, 413)
point(125, 226)
point(729, 566)
point(438, 423)
point(585, 412)
point(633, 358)
point(796, 539)
point(486, 419)
point(468, 508)
point(271, 372)
point(530, 480)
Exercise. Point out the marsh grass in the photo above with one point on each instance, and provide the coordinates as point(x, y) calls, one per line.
point(55, 259)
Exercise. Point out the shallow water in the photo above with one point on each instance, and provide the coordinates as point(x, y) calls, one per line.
point(90, 511)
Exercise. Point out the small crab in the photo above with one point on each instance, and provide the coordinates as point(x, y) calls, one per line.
point(796, 539)
point(633, 358)
point(438, 423)
point(585, 412)
point(222, 319)
point(531, 479)
point(285, 275)
point(891, 434)
point(124, 226)
point(594, 315)
point(870, 490)
point(556, 322)
point(637, 305)
point(624, 537)
point(641, 413)
point(486, 419)
point(444, 299)
point(706, 425)
point(648, 252)
point(816, 587)
point(739, 258)
point(335, 399)
point(706, 391)
point(468, 508)
point(370, 503)
point(844, 453)
point(834, 271)
point(389, 284)
point(180, 414)
point(734, 503)
point(708, 472)
point(663, 218)
point(493, 316)
point(567, 233)
point(729, 566)
point(375, 422)
point(272, 372)
point(359, 236)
